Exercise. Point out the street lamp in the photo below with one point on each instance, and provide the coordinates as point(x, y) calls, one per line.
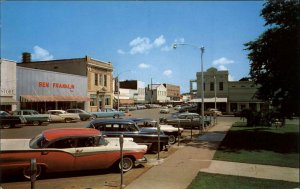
point(202, 78)
point(215, 91)
point(118, 85)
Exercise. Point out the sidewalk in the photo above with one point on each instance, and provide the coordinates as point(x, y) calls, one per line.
point(178, 170)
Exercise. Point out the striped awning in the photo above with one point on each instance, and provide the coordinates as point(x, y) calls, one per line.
point(209, 100)
point(51, 98)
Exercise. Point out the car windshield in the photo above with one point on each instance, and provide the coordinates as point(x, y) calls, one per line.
point(37, 142)
point(3, 113)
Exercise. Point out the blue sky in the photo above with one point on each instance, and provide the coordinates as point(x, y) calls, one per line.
point(136, 36)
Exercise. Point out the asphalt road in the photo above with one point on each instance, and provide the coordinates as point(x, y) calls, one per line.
point(83, 179)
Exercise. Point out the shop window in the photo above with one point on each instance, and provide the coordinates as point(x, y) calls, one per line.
point(93, 100)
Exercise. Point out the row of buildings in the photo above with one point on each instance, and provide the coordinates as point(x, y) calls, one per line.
point(83, 83)
point(89, 84)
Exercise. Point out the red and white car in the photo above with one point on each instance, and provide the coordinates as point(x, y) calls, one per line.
point(69, 149)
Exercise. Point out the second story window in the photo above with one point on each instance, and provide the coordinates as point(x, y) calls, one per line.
point(221, 86)
point(105, 80)
point(212, 87)
point(96, 79)
point(100, 79)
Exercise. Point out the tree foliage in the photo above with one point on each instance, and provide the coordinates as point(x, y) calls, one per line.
point(274, 56)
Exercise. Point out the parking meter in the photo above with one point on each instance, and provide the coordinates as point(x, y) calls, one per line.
point(121, 140)
point(33, 172)
point(178, 127)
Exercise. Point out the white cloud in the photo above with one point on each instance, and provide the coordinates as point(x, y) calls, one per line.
point(230, 78)
point(180, 40)
point(166, 48)
point(223, 68)
point(41, 54)
point(144, 66)
point(168, 73)
point(120, 51)
point(159, 41)
point(222, 61)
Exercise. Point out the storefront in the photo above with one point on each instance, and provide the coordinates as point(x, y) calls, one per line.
point(44, 90)
point(8, 84)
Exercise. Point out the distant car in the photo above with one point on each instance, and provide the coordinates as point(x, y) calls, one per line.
point(9, 121)
point(190, 108)
point(186, 120)
point(140, 106)
point(63, 116)
point(127, 127)
point(69, 149)
point(171, 131)
point(107, 112)
point(33, 117)
point(164, 110)
point(212, 111)
point(177, 107)
point(84, 116)
point(169, 105)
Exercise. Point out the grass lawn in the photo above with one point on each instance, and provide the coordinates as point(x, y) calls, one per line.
point(215, 181)
point(261, 145)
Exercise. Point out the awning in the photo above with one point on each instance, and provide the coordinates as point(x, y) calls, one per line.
point(7, 100)
point(126, 101)
point(209, 100)
point(50, 98)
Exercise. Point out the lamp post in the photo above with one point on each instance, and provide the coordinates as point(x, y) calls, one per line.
point(215, 88)
point(118, 85)
point(202, 78)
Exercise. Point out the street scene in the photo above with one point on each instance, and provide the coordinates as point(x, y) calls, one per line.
point(167, 95)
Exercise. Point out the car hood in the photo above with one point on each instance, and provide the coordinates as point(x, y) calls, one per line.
point(170, 128)
point(14, 144)
point(149, 130)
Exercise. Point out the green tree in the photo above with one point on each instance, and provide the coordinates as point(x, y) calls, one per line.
point(274, 56)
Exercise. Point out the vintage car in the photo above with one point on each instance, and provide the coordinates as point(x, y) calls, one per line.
point(107, 112)
point(212, 112)
point(84, 116)
point(69, 149)
point(33, 117)
point(169, 130)
point(10, 121)
point(186, 120)
point(164, 110)
point(63, 116)
point(127, 127)
point(189, 108)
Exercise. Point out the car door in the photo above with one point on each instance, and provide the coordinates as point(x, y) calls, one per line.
point(90, 154)
point(60, 155)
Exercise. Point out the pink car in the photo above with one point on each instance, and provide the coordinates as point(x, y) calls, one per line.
point(69, 149)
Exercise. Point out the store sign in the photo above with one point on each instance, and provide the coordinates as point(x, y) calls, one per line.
point(56, 85)
point(8, 92)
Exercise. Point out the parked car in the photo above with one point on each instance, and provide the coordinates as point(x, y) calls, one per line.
point(190, 108)
point(212, 111)
point(69, 149)
point(186, 120)
point(9, 121)
point(172, 132)
point(169, 105)
point(140, 106)
point(107, 112)
point(177, 107)
point(33, 117)
point(127, 127)
point(84, 116)
point(63, 116)
point(164, 110)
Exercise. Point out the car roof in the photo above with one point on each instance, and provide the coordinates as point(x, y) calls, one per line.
point(120, 120)
point(188, 113)
point(53, 134)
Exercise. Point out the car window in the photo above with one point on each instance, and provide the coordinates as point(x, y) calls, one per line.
point(34, 112)
point(85, 142)
point(63, 143)
point(26, 113)
point(128, 127)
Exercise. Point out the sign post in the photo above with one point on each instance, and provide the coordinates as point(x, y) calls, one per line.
point(121, 140)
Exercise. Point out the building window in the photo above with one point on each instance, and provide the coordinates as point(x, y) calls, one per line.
point(203, 86)
point(221, 86)
point(96, 79)
point(212, 87)
point(93, 101)
point(100, 79)
point(107, 100)
point(105, 80)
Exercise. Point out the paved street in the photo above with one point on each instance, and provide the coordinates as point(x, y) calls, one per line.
point(86, 179)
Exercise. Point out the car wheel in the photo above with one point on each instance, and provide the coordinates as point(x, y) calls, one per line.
point(26, 171)
point(5, 126)
point(172, 139)
point(68, 120)
point(93, 117)
point(36, 123)
point(127, 164)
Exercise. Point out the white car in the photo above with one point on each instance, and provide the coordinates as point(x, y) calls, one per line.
point(177, 107)
point(164, 110)
point(63, 116)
